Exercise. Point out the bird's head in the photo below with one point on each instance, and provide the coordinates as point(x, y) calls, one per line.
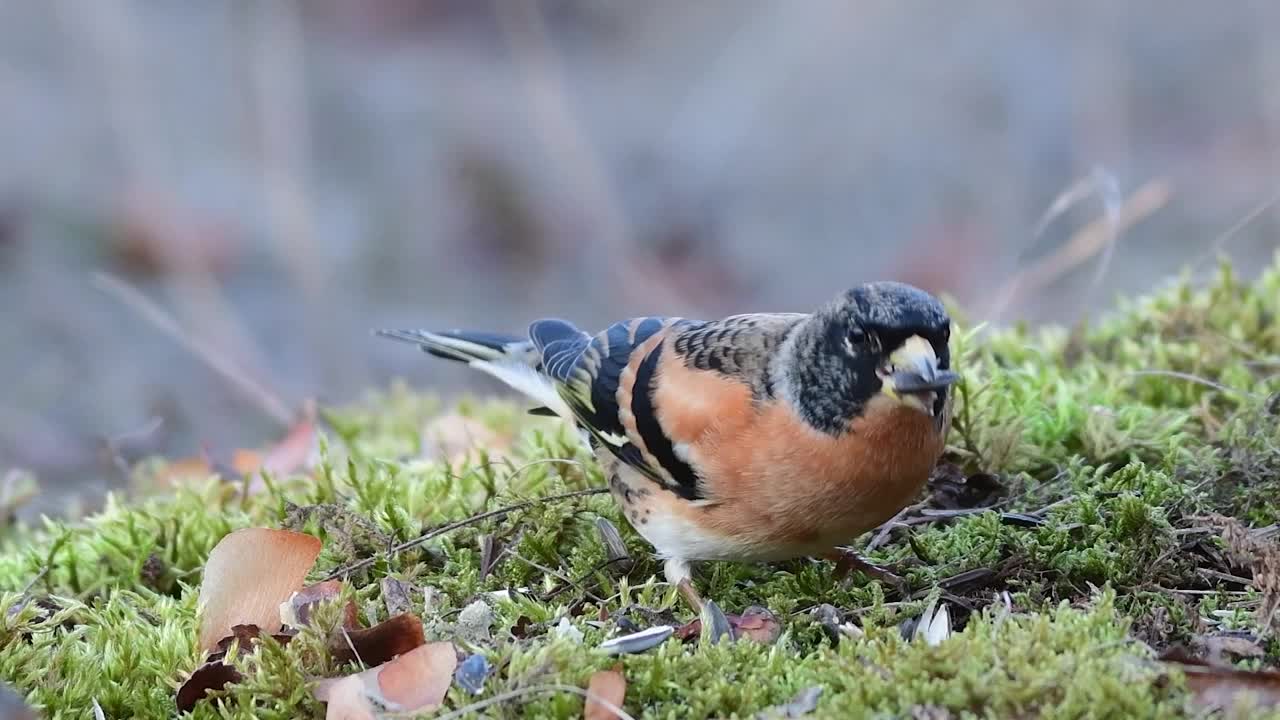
point(878, 339)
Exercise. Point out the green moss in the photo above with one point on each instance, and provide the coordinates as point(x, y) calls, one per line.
point(1108, 442)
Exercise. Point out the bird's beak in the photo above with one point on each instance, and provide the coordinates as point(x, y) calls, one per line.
point(913, 375)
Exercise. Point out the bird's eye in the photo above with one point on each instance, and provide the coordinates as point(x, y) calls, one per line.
point(857, 335)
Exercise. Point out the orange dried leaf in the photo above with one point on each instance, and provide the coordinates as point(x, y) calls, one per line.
point(419, 679)
point(607, 685)
point(248, 574)
point(413, 682)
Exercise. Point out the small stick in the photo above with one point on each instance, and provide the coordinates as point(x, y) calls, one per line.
point(427, 537)
point(153, 313)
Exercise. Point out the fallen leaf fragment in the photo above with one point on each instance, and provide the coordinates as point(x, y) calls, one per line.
point(246, 634)
point(758, 624)
point(248, 574)
point(345, 698)
point(296, 611)
point(294, 452)
point(414, 682)
point(213, 675)
point(419, 679)
point(608, 686)
point(380, 643)
point(1223, 688)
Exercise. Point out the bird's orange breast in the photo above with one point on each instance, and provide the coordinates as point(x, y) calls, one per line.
point(777, 483)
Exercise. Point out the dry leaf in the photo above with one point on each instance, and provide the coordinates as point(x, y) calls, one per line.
point(1226, 687)
point(294, 452)
point(248, 574)
point(758, 624)
point(380, 643)
point(296, 611)
point(607, 685)
point(345, 698)
point(419, 679)
point(211, 676)
point(455, 437)
point(414, 682)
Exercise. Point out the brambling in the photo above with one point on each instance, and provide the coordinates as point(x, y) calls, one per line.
point(756, 437)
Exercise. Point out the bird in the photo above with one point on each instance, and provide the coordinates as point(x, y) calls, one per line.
point(757, 437)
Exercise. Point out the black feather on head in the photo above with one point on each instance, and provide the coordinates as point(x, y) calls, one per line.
point(836, 355)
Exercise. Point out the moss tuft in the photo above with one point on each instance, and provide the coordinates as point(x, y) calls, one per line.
point(1105, 446)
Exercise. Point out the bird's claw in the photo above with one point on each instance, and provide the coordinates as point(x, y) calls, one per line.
point(848, 561)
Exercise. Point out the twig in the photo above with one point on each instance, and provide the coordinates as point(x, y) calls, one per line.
point(578, 583)
point(352, 646)
point(1086, 243)
point(1216, 245)
point(554, 573)
point(266, 401)
point(896, 521)
point(427, 537)
point(1192, 378)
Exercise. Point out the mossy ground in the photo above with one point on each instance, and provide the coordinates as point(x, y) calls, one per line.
point(1099, 473)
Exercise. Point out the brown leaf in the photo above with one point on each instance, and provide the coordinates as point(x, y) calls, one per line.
point(758, 624)
point(607, 685)
point(248, 574)
point(205, 679)
point(296, 611)
point(413, 682)
point(380, 643)
point(1225, 687)
point(1222, 649)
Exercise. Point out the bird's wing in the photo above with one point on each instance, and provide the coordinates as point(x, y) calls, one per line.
point(647, 388)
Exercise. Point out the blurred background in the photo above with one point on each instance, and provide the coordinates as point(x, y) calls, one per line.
point(205, 206)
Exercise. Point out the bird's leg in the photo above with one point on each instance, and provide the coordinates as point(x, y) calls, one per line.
point(678, 574)
point(847, 561)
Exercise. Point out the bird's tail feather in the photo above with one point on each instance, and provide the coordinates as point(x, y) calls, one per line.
point(510, 359)
point(464, 345)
